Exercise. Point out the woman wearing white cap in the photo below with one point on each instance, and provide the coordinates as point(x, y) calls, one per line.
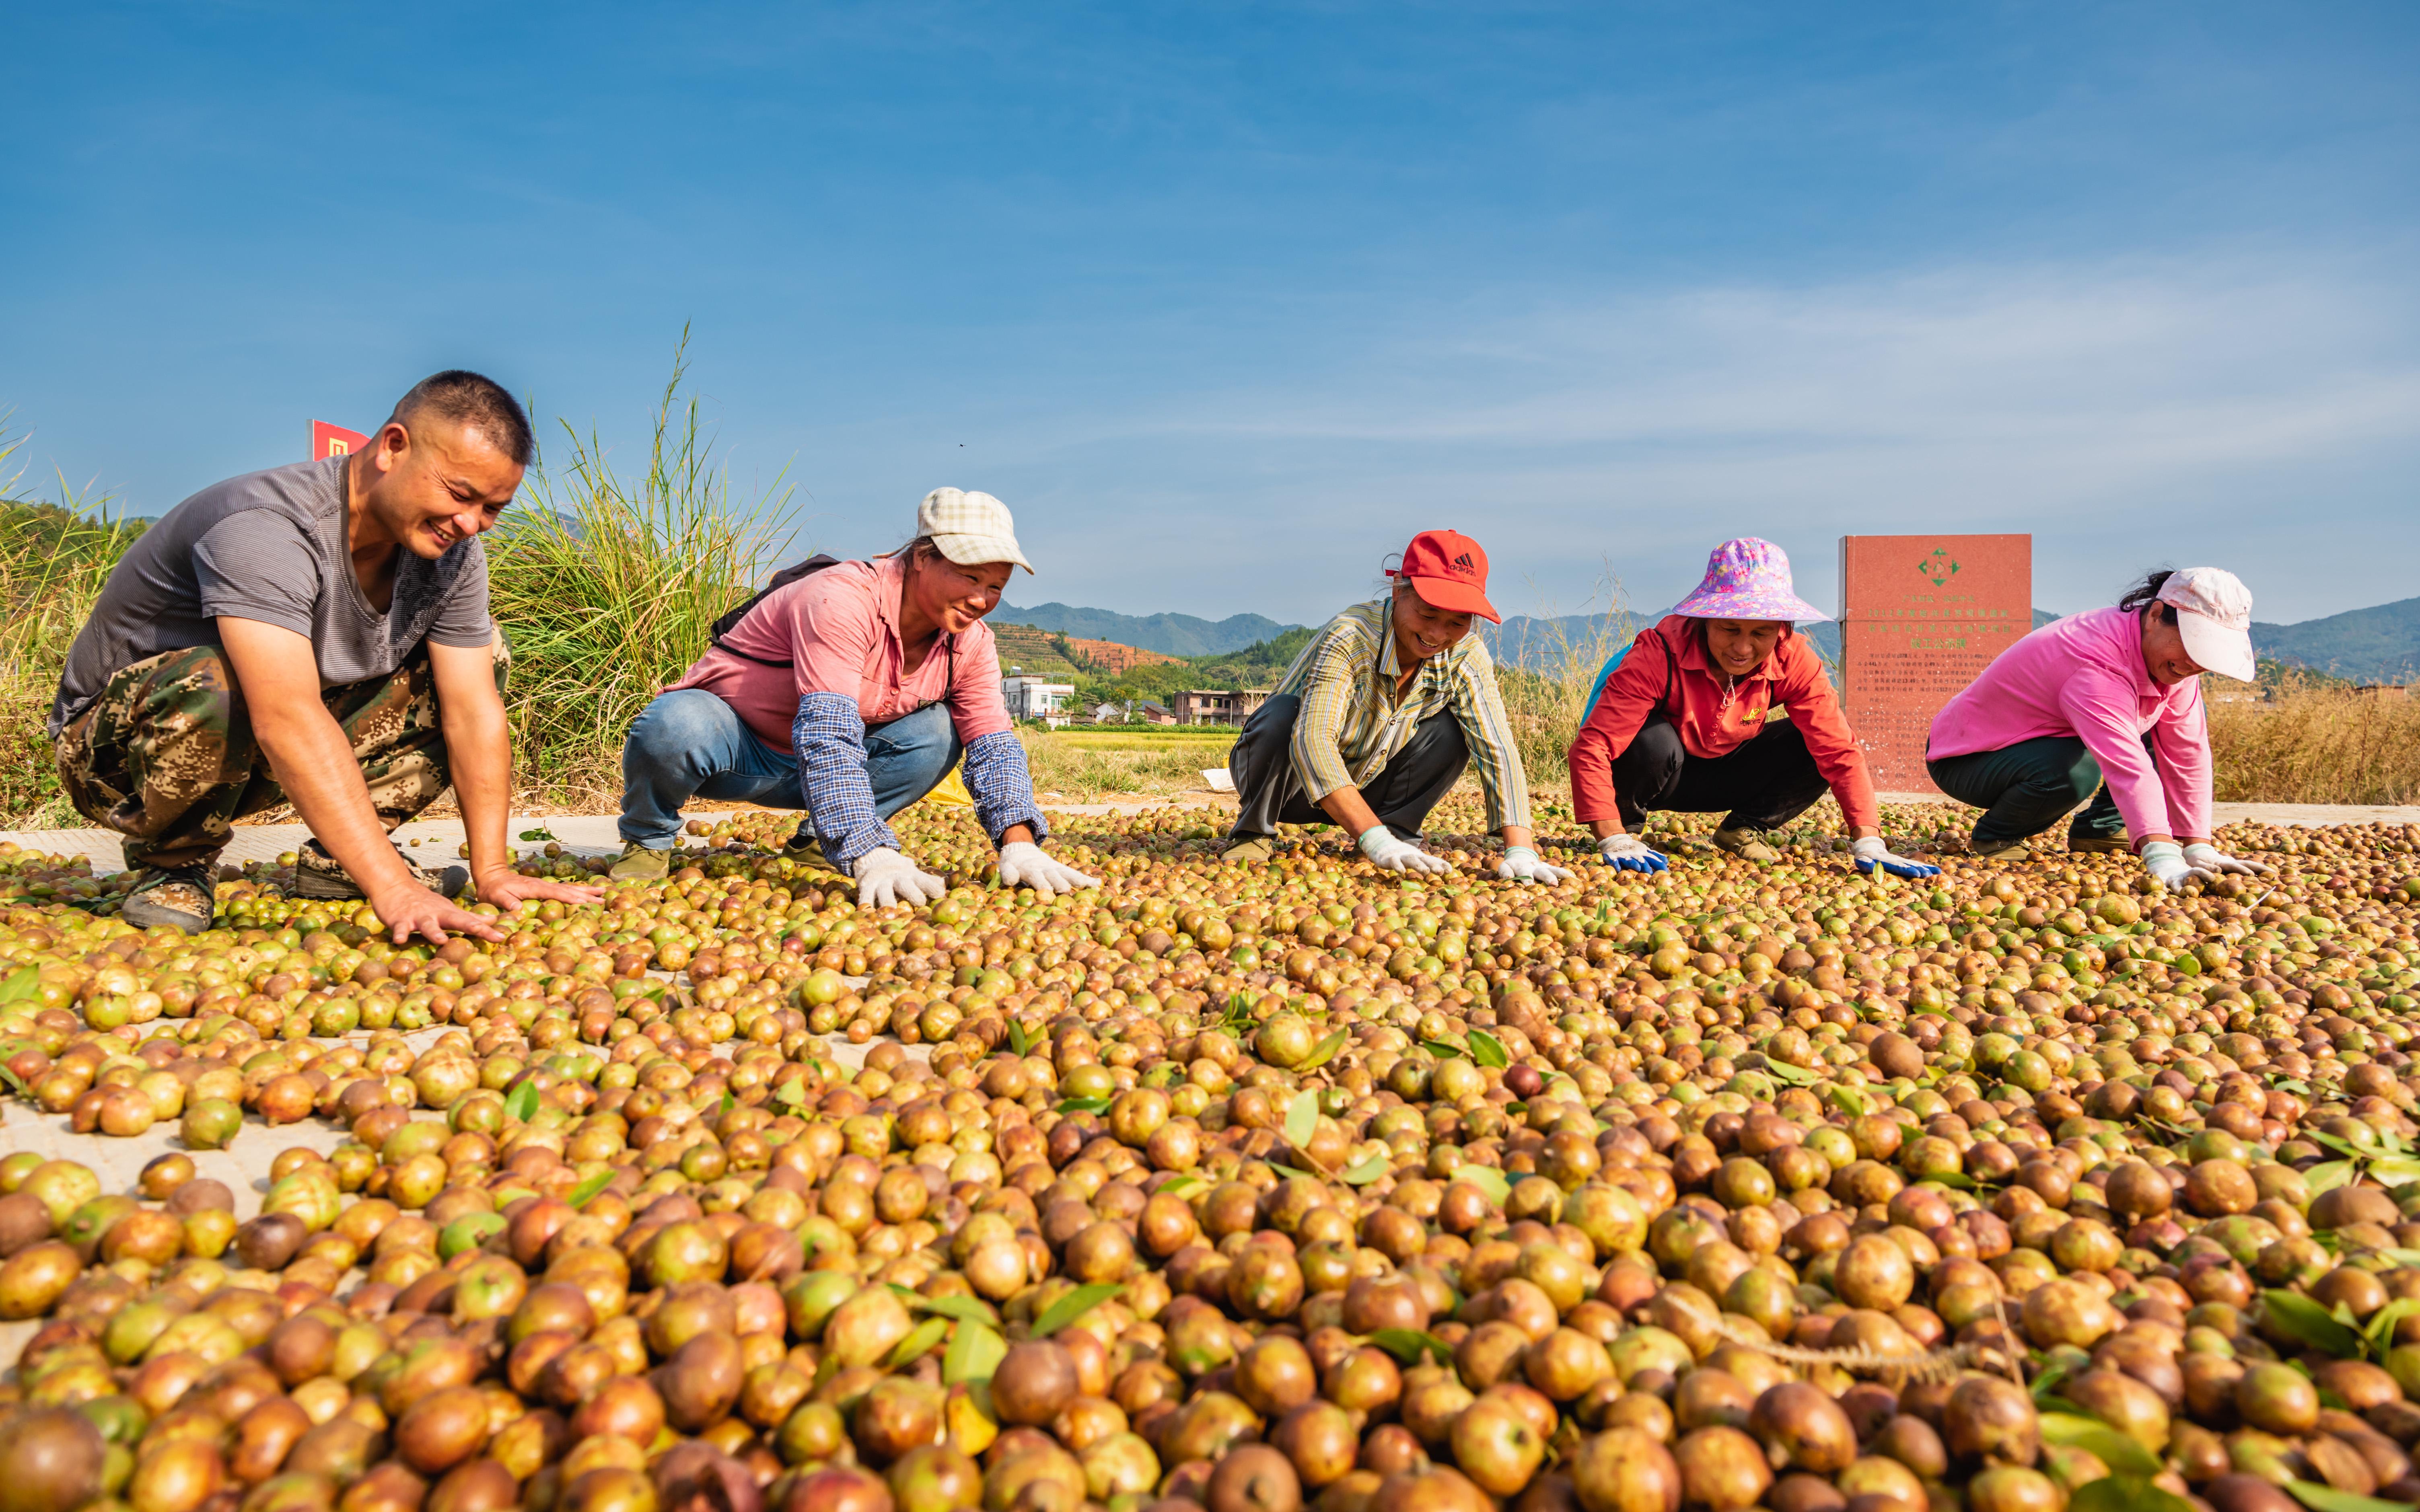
point(2104, 706)
point(849, 690)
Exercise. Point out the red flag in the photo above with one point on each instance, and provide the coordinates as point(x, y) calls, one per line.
point(334, 441)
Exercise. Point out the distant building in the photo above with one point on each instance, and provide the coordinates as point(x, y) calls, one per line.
point(1218, 705)
point(2383, 690)
point(1152, 713)
point(1034, 697)
point(1109, 713)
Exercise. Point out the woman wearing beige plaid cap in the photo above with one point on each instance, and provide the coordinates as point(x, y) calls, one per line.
point(849, 690)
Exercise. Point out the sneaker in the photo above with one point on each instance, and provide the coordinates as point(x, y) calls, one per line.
point(317, 874)
point(1252, 850)
point(1744, 844)
point(641, 863)
point(182, 896)
point(2098, 845)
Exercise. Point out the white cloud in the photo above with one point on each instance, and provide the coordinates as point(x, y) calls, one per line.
point(2174, 408)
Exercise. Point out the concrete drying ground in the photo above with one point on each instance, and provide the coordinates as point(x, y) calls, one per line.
point(433, 841)
point(244, 1164)
point(595, 834)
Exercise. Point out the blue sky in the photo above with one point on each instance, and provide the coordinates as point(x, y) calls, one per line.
point(1227, 299)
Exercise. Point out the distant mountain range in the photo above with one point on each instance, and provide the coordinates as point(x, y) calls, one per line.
point(2381, 644)
point(2367, 645)
point(1177, 635)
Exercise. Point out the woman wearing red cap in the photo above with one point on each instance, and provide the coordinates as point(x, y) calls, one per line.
point(1681, 723)
point(1376, 718)
point(2113, 694)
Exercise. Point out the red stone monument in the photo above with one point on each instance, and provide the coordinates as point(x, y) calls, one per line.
point(1921, 615)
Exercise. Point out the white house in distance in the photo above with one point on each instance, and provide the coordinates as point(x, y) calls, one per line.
point(1034, 697)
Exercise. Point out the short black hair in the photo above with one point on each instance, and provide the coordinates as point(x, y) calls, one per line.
point(476, 401)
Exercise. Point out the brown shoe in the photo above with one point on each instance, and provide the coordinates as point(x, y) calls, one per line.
point(1253, 850)
point(806, 849)
point(2014, 850)
point(183, 898)
point(2097, 845)
point(641, 863)
point(1744, 845)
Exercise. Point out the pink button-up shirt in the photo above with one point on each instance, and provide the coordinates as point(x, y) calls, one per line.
point(2082, 677)
point(838, 629)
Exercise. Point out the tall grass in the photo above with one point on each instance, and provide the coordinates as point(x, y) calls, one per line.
point(55, 559)
point(2313, 742)
point(608, 590)
point(1546, 696)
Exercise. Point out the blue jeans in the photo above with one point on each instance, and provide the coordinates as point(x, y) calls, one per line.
point(690, 744)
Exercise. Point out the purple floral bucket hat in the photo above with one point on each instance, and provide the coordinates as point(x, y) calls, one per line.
point(1747, 580)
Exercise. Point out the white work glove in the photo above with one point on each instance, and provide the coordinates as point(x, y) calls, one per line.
point(2166, 860)
point(1521, 864)
point(1630, 854)
point(1024, 864)
point(1870, 852)
point(2210, 860)
point(885, 876)
point(1392, 855)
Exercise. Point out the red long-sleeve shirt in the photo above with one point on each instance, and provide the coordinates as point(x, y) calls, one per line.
point(1792, 677)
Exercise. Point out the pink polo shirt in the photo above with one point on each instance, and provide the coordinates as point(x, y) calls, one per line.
point(2082, 677)
point(839, 631)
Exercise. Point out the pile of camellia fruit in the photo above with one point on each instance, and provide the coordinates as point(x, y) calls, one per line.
point(1235, 1190)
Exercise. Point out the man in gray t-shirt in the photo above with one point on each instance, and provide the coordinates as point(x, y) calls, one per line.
point(320, 634)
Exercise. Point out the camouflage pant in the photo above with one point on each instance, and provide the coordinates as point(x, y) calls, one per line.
point(166, 755)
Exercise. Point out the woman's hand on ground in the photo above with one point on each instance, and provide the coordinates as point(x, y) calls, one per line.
point(1870, 852)
point(2211, 861)
point(1024, 864)
point(508, 889)
point(1521, 864)
point(1630, 854)
point(2166, 860)
point(885, 876)
point(1388, 853)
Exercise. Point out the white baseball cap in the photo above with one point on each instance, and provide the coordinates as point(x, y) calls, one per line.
point(2214, 617)
point(971, 529)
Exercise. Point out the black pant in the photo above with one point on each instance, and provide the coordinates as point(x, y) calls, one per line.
point(1414, 781)
point(1765, 783)
point(2024, 789)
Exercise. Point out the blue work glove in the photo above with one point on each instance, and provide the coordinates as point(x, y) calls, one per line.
point(1871, 853)
point(1630, 854)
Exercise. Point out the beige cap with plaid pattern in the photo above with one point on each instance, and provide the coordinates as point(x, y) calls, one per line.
point(971, 529)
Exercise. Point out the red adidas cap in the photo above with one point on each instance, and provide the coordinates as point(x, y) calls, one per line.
point(1450, 572)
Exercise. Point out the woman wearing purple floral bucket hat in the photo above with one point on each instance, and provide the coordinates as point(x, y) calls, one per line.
point(1680, 723)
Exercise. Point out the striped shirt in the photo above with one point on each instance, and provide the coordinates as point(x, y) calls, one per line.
point(1352, 720)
